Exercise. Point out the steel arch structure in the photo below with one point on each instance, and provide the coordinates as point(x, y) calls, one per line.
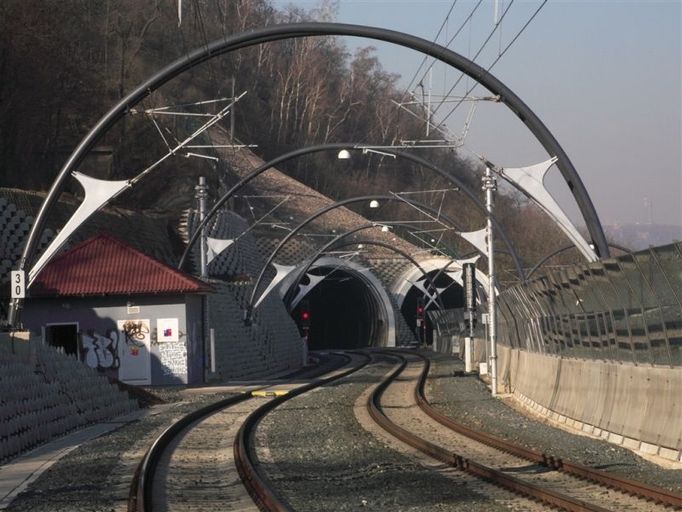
point(348, 147)
point(338, 204)
point(301, 30)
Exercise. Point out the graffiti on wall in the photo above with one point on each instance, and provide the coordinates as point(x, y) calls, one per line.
point(100, 351)
point(127, 350)
point(134, 351)
point(114, 349)
point(135, 332)
point(173, 358)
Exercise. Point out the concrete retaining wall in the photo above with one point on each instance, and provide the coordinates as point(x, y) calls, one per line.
point(637, 407)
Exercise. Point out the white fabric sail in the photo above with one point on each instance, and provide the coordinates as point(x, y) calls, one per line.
point(214, 246)
point(531, 181)
point(303, 289)
point(97, 194)
point(476, 238)
point(282, 272)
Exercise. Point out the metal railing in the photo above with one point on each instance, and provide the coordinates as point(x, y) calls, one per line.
point(621, 309)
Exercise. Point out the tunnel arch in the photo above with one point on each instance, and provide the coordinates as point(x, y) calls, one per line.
point(405, 292)
point(404, 282)
point(375, 296)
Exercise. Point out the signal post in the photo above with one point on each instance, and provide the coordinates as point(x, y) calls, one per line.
point(469, 278)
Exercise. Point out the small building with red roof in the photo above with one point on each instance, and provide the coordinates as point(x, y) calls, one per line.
point(122, 312)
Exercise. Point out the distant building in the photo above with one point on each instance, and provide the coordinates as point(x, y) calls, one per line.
point(122, 312)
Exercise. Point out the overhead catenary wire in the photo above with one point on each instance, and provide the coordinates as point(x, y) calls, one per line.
point(501, 54)
point(447, 44)
point(425, 58)
point(445, 21)
point(480, 50)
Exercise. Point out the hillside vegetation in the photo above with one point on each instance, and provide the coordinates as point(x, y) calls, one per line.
point(65, 63)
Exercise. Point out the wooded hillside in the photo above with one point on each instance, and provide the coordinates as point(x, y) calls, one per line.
point(65, 63)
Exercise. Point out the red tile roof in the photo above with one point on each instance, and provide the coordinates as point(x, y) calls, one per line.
point(104, 265)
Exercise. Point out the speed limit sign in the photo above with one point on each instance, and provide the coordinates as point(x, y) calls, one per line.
point(18, 280)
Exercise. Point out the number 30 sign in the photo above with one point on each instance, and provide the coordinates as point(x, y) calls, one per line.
point(18, 278)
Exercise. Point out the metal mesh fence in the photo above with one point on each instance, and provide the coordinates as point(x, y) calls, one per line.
point(624, 309)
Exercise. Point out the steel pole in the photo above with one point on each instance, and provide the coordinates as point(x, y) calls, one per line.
point(202, 195)
point(490, 186)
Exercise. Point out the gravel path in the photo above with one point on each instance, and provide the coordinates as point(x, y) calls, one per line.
point(467, 399)
point(334, 464)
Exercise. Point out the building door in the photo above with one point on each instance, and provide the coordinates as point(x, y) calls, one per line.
point(134, 344)
point(64, 336)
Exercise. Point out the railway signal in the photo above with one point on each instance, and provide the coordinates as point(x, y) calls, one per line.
point(305, 315)
point(469, 277)
point(420, 311)
point(421, 320)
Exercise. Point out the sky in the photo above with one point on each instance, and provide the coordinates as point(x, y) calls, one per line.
point(604, 76)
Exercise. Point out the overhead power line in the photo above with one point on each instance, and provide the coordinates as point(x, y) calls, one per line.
point(447, 44)
point(480, 50)
point(445, 21)
point(513, 40)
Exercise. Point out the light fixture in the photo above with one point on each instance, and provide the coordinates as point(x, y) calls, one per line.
point(360, 246)
point(344, 154)
point(374, 203)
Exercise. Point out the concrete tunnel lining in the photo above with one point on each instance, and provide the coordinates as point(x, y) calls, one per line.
point(405, 282)
point(383, 307)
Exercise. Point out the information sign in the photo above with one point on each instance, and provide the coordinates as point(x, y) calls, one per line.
point(18, 280)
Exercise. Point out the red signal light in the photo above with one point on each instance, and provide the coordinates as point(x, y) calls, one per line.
point(305, 315)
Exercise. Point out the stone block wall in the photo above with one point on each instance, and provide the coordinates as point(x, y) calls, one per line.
point(45, 394)
point(272, 343)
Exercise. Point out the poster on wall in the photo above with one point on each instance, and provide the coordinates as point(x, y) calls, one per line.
point(167, 330)
point(134, 351)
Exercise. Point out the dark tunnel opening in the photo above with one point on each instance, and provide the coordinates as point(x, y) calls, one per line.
point(343, 312)
point(452, 297)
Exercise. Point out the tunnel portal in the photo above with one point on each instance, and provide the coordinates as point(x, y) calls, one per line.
point(344, 312)
point(450, 294)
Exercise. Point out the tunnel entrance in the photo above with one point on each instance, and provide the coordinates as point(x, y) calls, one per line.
point(451, 295)
point(344, 312)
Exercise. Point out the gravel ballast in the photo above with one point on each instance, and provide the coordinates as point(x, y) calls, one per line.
point(96, 476)
point(324, 460)
point(468, 400)
point(333, 464)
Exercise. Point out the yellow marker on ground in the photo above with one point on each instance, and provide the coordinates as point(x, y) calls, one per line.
point(266, 393)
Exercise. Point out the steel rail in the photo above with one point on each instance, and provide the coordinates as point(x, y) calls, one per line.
point(645, 491)
point(257, 484)
point(453, 459)
point(140, 492)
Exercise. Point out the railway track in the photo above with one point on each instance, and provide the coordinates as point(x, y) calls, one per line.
point(206, 460)
point(555, 482)
point(194, 463)
point(597, 476)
